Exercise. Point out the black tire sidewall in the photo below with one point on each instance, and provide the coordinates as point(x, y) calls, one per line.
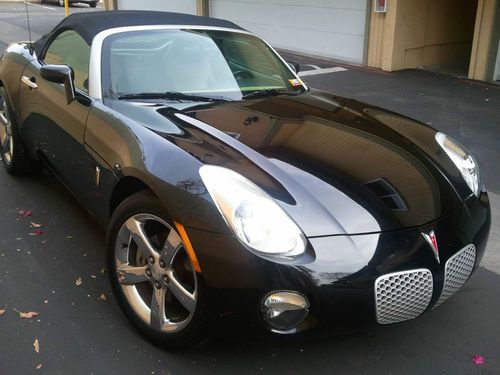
point(196, 329)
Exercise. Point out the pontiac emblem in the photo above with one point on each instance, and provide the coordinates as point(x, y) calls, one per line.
point(431, 240)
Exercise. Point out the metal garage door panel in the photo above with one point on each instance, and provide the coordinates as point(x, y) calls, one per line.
point(332, 28)
point(181, 6)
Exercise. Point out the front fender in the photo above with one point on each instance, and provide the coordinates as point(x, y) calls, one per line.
point(15, 58)
point(172, 174)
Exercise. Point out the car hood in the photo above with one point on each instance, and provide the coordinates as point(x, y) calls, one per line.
point(337, 166)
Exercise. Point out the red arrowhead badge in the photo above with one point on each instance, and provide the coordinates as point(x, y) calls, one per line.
point(431, 239)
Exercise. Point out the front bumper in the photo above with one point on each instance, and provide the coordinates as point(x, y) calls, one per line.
point(341, 282)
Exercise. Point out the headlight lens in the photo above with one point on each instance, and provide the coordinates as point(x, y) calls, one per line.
point(463, 159)
point(256, 219)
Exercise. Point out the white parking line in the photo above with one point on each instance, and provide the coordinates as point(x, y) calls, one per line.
point(313, 66)
point(321, 71)
point(38, 5)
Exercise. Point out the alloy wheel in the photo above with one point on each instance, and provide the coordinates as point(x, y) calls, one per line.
point(6, 140)
point(155, 273)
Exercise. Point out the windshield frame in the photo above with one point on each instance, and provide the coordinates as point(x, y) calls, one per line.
point(96, 67)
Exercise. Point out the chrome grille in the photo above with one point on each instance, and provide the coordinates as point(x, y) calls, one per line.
point(403, 295)
point(457, 271)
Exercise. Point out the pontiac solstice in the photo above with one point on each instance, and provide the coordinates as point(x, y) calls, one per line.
point(236, 199)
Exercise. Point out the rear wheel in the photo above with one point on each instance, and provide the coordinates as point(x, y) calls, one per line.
point(93, 5)
point(152, 275)
point(14, 157)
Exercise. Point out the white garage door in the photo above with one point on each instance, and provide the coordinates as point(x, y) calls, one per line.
point(181, 6)
point(331, 28)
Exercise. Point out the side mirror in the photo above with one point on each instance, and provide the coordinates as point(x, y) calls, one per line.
point(295, 66)
point(60, 74)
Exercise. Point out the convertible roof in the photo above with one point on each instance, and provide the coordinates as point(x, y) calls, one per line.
point(89, 24)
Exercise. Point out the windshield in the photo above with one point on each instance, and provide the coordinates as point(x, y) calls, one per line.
point(209, 63)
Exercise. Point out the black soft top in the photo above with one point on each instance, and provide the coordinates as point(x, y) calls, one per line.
point(89, 24)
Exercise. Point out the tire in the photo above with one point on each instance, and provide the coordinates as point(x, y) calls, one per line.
point(93, 5)
point(14, 156)
point(140, 277)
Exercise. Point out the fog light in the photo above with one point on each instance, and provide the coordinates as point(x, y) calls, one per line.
point(284, 311)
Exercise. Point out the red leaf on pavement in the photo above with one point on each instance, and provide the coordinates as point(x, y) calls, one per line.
point(2, 311)
point(25, 213)
point(38, 232)
point(478, 359)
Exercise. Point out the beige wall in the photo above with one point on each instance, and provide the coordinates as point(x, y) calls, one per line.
point(421, 33)
point(485, 46)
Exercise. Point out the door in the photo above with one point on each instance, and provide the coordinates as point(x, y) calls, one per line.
point(330, 28)
point(51, 127)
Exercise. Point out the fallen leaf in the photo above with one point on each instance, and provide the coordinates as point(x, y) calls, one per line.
point(36, 345)
point(38, 232)
point(478, 359)
point(2, 311)
point(25, 213)
point(78, 281)
point(93, 276)
point(28, 315)
point(103, 270)
point(35, 225)
point(39, 366)
point(45, 211)
point(103, 297)
point(69, 237)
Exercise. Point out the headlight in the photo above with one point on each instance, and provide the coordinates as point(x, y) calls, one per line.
point(463, 159)
point(256, 219)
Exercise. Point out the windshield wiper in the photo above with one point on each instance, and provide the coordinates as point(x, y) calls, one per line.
point(268, 92)
point(172, 95)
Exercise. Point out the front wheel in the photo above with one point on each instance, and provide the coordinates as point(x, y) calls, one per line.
point(93, 5)
point(12, 151)
point(152, 275)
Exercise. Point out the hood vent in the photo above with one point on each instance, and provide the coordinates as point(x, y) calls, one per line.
point(387, 194)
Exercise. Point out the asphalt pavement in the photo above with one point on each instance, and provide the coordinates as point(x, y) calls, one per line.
point(80, 329)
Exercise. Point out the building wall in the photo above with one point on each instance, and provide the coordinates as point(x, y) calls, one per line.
point(421, 33)
point(433, 32)
point(486, 41)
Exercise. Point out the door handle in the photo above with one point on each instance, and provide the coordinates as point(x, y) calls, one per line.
point(28, 82)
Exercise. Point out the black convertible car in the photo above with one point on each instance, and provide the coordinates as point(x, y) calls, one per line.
point(235, 198)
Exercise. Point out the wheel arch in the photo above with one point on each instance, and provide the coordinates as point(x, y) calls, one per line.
point(124, 188)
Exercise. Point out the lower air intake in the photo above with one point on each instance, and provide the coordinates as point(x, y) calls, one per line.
point(403, 295)
point(457, 271)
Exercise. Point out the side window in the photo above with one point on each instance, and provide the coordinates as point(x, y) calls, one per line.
point(69, 48)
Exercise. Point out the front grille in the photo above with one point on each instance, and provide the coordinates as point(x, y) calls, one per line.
point(403, 295)
point(457, 271)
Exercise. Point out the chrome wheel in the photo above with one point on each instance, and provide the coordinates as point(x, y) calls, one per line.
point(155, 273)
point(6, 141)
